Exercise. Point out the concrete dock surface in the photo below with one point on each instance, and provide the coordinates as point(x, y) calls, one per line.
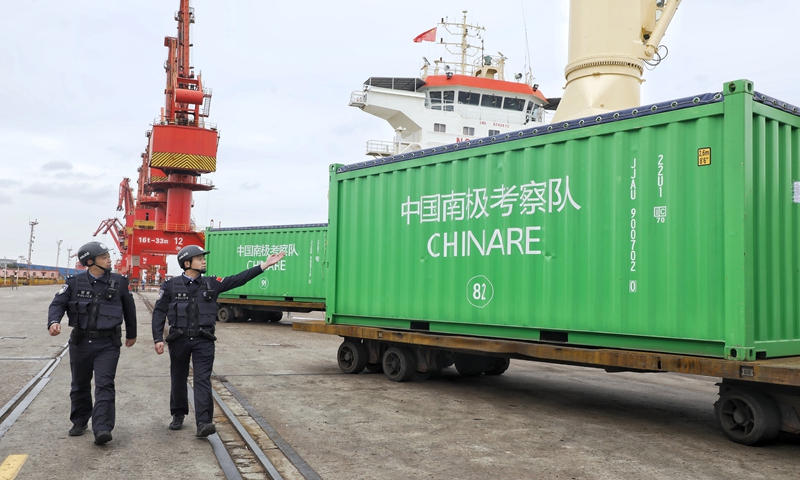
point(537, 420)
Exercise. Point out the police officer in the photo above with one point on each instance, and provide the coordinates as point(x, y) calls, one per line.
point(96, 302)
point(189, 303)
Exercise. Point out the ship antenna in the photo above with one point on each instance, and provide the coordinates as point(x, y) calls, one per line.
point(464, 45)
point(528, 72)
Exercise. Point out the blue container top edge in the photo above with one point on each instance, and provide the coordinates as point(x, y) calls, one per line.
point(775, 103)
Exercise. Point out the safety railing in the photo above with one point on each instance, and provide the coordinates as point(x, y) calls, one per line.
point(199, 123)
point(380, 148)
point(358, 98)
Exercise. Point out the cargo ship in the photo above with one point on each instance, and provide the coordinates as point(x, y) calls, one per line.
point(454, 99)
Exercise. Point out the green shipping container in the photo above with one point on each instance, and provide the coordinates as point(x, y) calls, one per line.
point(668, 228)
point(298, 277)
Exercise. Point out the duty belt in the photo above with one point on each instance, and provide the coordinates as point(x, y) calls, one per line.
point(191, 333)
point(96, 333)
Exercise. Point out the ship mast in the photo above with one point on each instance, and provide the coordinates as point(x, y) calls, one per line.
point(472, 61)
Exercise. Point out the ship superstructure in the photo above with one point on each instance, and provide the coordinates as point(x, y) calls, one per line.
point(454, 99)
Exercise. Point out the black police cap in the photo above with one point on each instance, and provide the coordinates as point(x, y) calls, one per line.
point(186, 253)
point(91, 250)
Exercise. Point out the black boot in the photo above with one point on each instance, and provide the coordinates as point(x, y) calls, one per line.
point(177, 422)
point(205, 429)
point(77, 430)
point(102, 437)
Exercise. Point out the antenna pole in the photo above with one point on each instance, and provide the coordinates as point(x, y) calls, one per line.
point(30, 248)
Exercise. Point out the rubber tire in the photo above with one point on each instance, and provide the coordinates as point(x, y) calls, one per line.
point(398, 364)
point(471, 365)
point(225, 314)
point(273, 317)
point(352, 356)
point(747, 417)
point(499, 365)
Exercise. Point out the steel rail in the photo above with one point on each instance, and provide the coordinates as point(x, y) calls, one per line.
point(227, 464)
point(254, 447)
point(14, 408)
point(301, 465)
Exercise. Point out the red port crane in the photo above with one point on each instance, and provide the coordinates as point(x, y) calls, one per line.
point(181, 147)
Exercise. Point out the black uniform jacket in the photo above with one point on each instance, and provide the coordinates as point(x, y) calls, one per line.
point(219, 286)
point(60, 303)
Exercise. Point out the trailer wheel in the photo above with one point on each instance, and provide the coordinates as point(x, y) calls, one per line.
point(225, 314)
point(499, 365)
point(747, 417)
point(471, 365)
point(398, 364)
point(352, 356)
point(274, 317)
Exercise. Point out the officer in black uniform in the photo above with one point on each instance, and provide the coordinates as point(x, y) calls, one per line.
point(96, 301)
point(189, 303)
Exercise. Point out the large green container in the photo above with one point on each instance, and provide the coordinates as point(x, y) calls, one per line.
point(299, 277)
point(670, 228)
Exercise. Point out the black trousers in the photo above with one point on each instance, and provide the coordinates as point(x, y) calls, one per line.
point(200, 351)
point(98, 357)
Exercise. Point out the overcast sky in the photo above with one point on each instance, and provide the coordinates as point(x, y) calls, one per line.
point(83, 80)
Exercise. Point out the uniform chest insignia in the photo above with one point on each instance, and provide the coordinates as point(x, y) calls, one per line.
point(181, 296)
point(84, 294)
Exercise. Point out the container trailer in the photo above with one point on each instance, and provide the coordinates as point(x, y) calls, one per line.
point(659, 238)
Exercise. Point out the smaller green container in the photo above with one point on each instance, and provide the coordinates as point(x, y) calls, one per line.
point(298, 277)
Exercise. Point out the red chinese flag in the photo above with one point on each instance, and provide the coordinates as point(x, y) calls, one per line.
point(429, 36)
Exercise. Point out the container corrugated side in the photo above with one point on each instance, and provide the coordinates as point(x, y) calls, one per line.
point(299, 276)
point(671, 232)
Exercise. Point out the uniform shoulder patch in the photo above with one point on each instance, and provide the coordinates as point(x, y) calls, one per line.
point(63, 290)
point(70, 276)
point(160, 293)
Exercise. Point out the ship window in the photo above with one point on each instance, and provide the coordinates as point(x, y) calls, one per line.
point(494, 101)
point(443, 100)
point(448, 99)
point(513, 104)
point(436, 100)
point(469, 98)
point(494, 132)
point(469, 131)
point(439, 127)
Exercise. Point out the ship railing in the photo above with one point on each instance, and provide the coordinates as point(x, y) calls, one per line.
point(380, 148)
point(358, 98)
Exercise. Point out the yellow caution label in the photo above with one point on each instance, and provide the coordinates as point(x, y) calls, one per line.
point(183, 161)
point(11, 467)
point(703, 156)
